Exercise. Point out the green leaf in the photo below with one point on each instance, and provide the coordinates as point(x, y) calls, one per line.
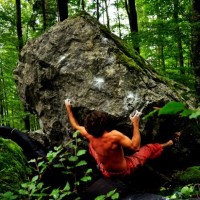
point(77, 183)
point(149, 114)
point(75, 134)
point(174, 196)
point(55, 193)
point(73, 158)
point(32, 161)
point(81, 163)
point(186, 190)
point(40, 163)
point(62, 159)
point(9, 196)
point(32, 187)
point(25, 185)
point(86, 178)
point(89, 171)
point(23, 192)
point(63, 195)
point(101, 197)
point(40, 185)
point(195, 114)
point(186, 113)
point(35, 178)
point(67, 187)
point(81, 152)
point(115, 196)
point(111, 193)
point(59, 165)
point(67, 172)
point(171, 108)
point(59, 148)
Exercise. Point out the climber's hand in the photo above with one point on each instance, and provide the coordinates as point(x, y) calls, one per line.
point(135, 117)
point(68, 102)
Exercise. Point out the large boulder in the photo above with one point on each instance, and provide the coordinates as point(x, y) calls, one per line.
point(81, 60)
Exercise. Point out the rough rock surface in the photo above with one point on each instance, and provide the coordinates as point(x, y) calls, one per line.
point(81, 60)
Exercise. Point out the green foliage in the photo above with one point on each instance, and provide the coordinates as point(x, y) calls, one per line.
point(171, 108)
point(113, 194)
point(175, 108)
point(190, 175)
point(186, 192)
point(70, 162)
point(13, 166)
point(165, 37)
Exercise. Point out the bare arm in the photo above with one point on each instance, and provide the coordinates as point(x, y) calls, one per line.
point(134, 142)
point(72, 119)
point(136, 138)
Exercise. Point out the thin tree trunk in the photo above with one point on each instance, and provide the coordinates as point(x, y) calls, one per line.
point(19, 25)
point(82, 4)
point(196, 44)
point(98, 14)
point(1, 98)
point(162, 57)
point(132, 16)
point(20, 45)
point(119, 21)
point(107, 15)
point(62, 9)
point(178, 37)
point(44, 14)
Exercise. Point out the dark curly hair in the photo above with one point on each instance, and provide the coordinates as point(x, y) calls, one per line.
point(96, 123)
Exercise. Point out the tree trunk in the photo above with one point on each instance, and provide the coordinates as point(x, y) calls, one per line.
point(98, 14)
point(20, 45)
point(161, 57)
point(178, 37)
point(1, 98)
point(44, 14)
point(119, 21)
point(107, 15)
point(132, 16)
point(196, 44)
point(62, 9)
point(19, 25)
point(82, 4)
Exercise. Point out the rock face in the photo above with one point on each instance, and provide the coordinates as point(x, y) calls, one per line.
point(81, 60)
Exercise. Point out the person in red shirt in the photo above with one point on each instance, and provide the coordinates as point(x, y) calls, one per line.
point(107, 146)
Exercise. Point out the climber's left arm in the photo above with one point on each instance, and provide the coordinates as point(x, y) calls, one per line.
point(72, 119)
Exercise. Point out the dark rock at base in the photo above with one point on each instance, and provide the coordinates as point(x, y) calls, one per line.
point(145, 196)
point(104, 185)
point(31, 149)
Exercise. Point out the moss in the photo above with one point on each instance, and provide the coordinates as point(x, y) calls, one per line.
point(190, 175)
point(128, 51)
point(128, 62)
point(13, 166)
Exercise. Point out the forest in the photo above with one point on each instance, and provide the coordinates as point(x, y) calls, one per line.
point(165, 34)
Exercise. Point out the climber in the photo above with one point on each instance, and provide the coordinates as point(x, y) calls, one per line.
point(107, 146)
